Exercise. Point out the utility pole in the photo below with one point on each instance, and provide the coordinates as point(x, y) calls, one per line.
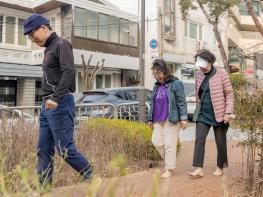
point(142, 64)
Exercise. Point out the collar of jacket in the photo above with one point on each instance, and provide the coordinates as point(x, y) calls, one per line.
point(211, 73)
point(167, 81)
point(50, 39)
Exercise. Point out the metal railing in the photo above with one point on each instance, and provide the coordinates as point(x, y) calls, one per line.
point(128, 111)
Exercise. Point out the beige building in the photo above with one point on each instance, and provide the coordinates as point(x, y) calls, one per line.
point(177, 40)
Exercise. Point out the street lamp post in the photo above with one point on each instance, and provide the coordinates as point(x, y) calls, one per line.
point(142, 64)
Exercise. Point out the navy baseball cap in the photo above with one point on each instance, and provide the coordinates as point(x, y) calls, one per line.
point(34, 22)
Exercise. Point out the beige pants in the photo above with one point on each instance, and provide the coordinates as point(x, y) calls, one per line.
point(164, 138)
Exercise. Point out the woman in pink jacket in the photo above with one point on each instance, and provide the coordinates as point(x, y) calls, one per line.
point(216, 98)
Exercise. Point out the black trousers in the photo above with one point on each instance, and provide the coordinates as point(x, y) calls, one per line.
point(202, 130)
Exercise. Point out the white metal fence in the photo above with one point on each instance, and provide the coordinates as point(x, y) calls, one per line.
point(128, 111)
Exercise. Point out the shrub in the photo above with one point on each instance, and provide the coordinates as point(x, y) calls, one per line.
point(238, 81)
point(100, 140)
point(106, 138)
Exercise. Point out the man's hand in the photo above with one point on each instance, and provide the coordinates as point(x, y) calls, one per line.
point(226, 118)
point(184, 124)
point(150, 124)
point(50, 104)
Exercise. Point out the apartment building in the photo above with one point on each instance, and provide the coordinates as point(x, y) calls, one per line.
point(177, 40)
point(94, 27)
point(245, 38)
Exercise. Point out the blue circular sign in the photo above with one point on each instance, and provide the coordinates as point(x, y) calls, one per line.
point(153, 43)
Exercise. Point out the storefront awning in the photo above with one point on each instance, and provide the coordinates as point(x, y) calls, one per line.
point(14, 70)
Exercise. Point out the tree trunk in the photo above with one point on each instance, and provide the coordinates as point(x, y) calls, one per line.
point(221, 47)
point(254, 16)
point(217, 35)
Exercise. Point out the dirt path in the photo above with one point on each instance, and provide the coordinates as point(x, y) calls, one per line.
point(180, 185)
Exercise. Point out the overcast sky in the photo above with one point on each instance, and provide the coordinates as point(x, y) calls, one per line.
point(128, 5)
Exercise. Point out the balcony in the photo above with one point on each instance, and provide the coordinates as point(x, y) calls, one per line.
point(234, 35)
point(245, 22)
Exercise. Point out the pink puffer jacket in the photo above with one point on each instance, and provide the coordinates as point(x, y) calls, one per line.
point(221, 91)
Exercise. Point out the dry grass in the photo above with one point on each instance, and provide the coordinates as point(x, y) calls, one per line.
point(99, 140)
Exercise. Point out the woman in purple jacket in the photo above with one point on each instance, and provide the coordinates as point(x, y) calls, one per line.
point(168, 113)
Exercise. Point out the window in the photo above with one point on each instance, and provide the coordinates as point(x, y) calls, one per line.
point(8, 90)
point(103, 27)
point(92, 24)
point(133, 36)
point(124, 32)
point(38, 94)
point(99, 81)
point(193, 33)
point(107, 81)
point(188, 72)
point(80, 82)
point(169, 17)
point(53, 23)
point(1, 28)
point(21, 38)
point(93, 97)
point(10, 30)
point(243, 8)
point(193, 30)
point(80, 22)
point(114, 29)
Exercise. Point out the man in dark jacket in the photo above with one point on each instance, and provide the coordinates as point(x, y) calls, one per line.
point(58, 109)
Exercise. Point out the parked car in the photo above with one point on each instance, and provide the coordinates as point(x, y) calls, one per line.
point(111, 97)
point(191, 104)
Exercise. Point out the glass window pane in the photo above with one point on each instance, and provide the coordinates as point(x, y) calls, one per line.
point(133, 34)
point(172, 24)
point(244, 11)
point(186, 28)
point(124, 31)
point(53, 23)
point(256, 6)
point(167, 24)
point(93, 97)
point(243, 8)
point(187, 72)
point(80, 22)
point(103, 27)
point(80, 83)
point(10, 30)
point(167, 6)
point(99, 81)
point(21, 37)
point(1, 28)
point(193, 30)
point(107, 81)
point(92, 24)
point(114, 29)
point(200, 32)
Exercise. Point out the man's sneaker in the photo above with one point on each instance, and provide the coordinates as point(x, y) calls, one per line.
point(167, 174)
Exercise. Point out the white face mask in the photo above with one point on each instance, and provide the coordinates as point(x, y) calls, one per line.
point(201, 63)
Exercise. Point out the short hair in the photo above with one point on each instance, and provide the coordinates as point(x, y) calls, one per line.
point(206, 55)
point(160, 65)
point(49, 27)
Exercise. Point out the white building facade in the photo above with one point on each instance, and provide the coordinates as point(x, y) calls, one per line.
point(178, 40)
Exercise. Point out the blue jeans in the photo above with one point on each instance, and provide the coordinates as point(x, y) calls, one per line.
point(56, 130)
